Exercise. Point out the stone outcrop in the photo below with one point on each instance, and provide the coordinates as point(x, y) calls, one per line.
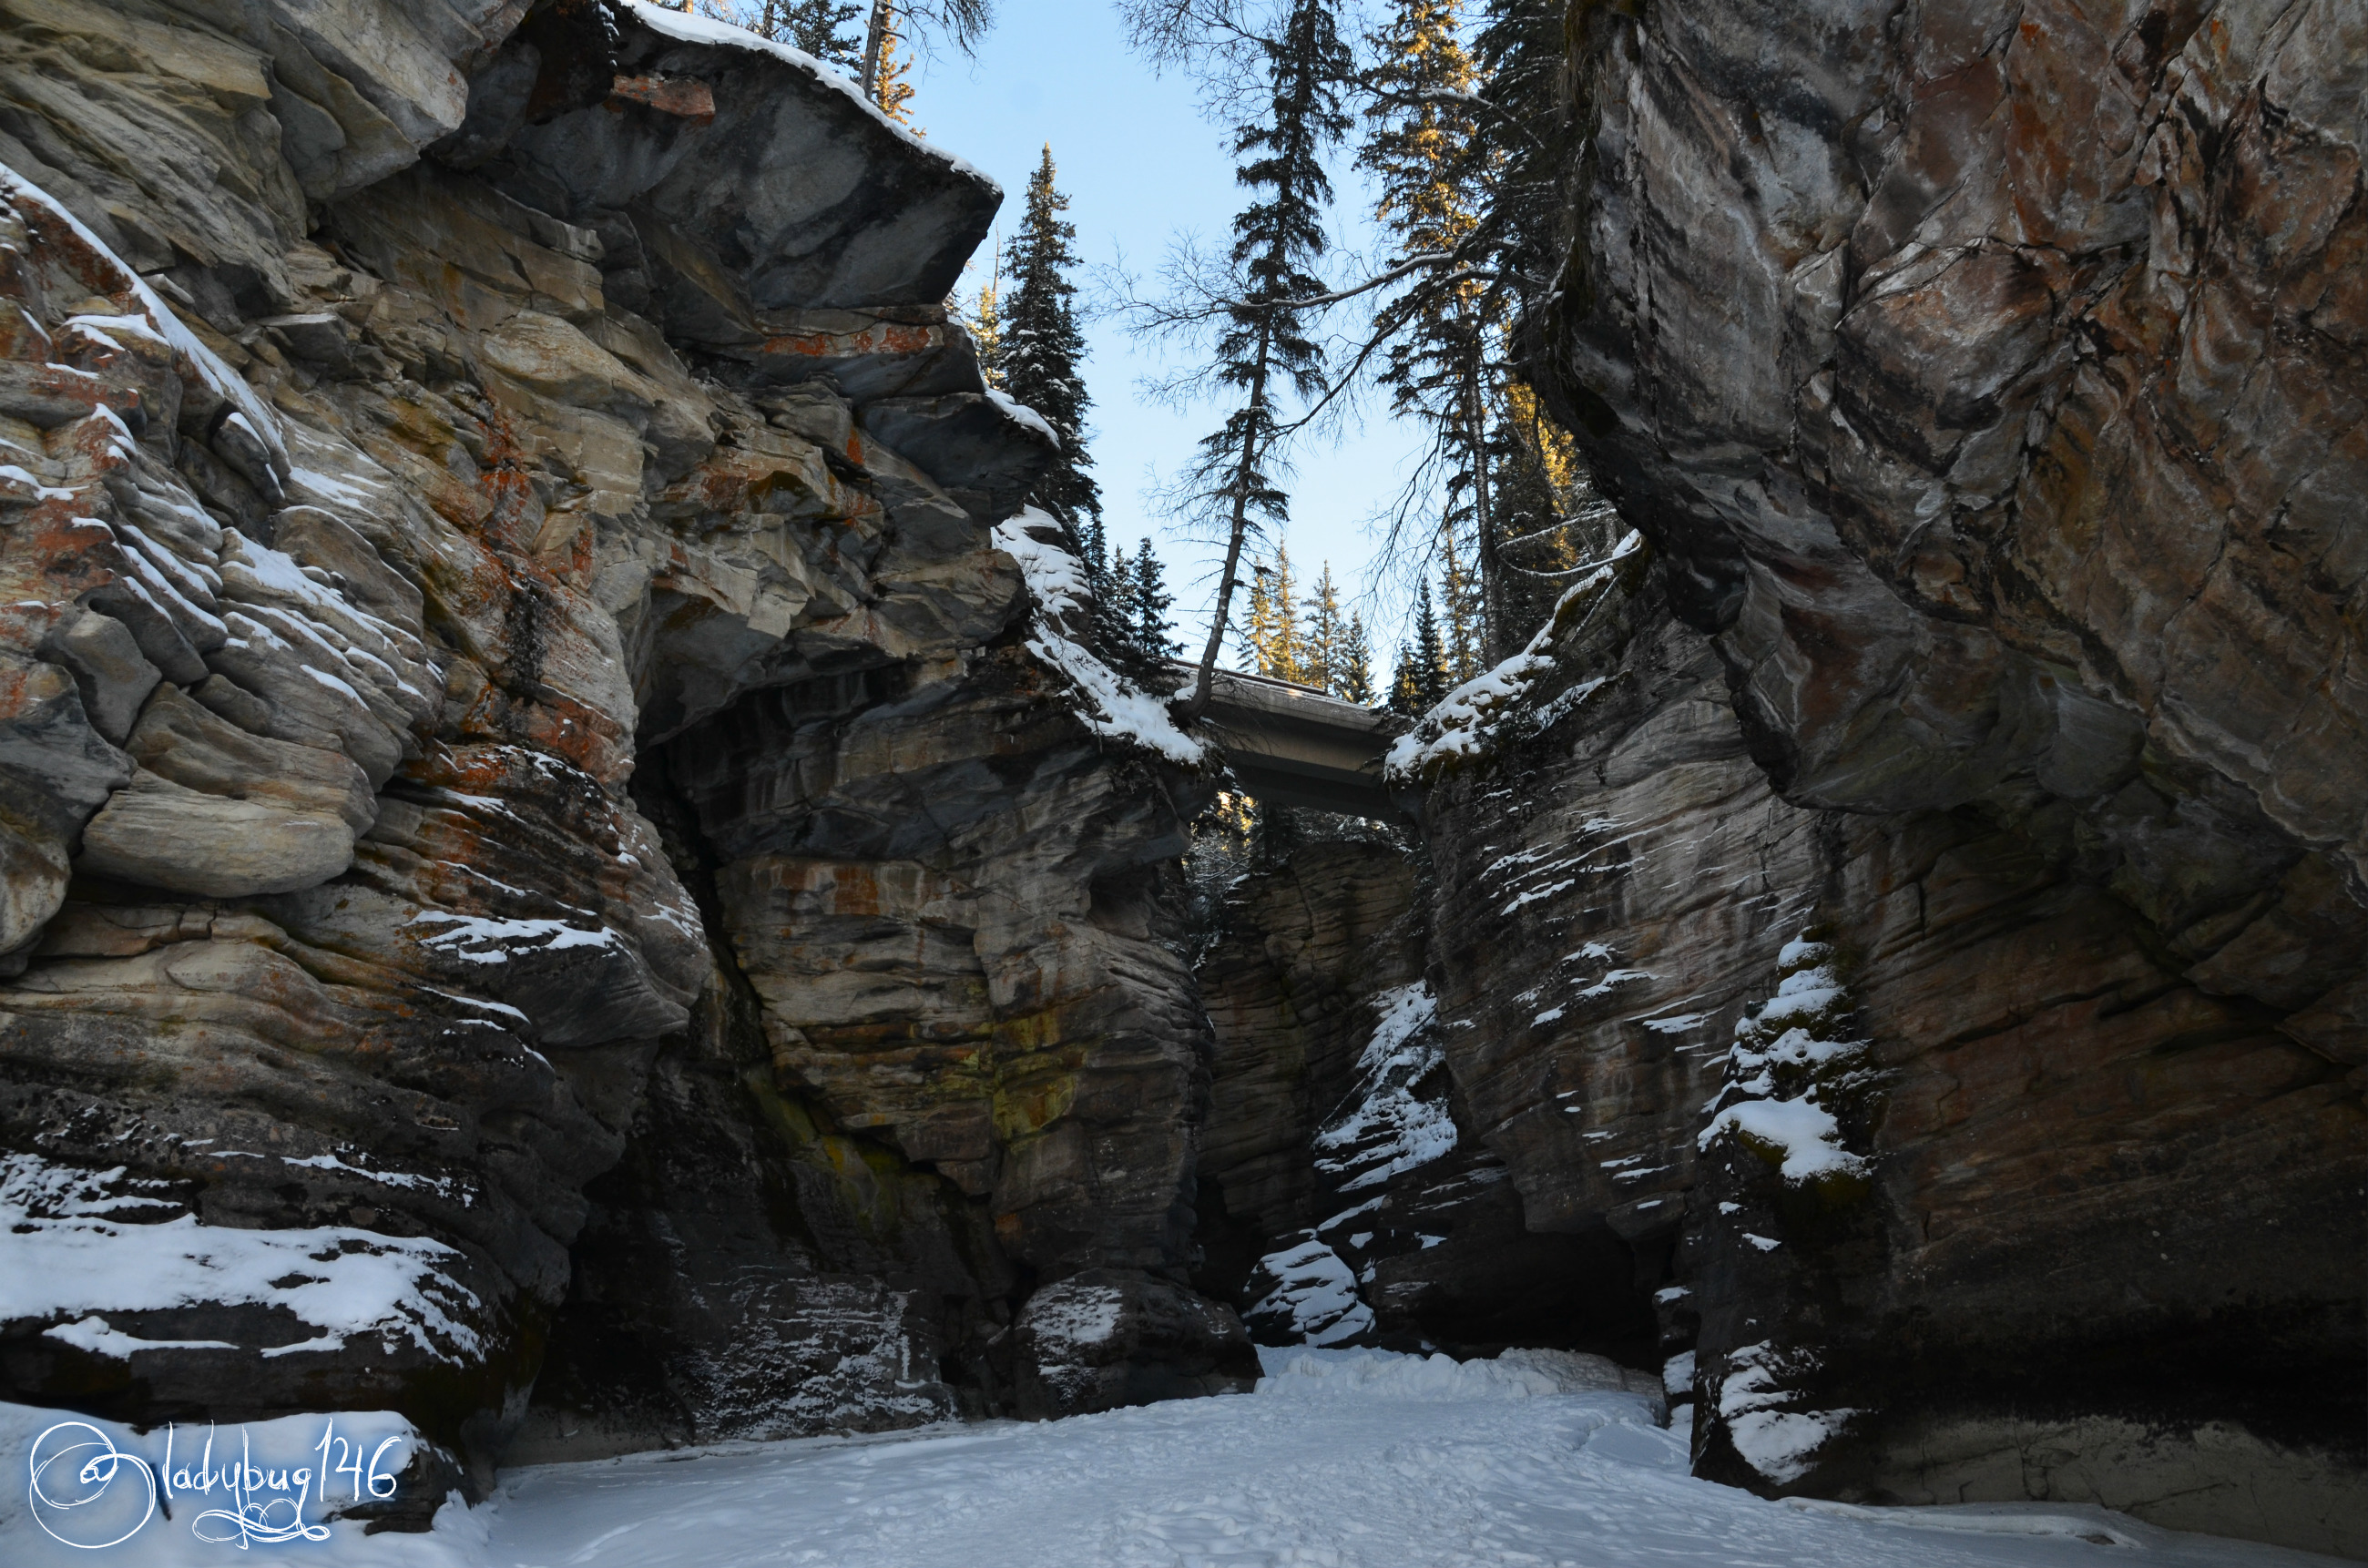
point(530, 820)
point(1345, 1196)
point(1943, 833)
point(1930, 1156)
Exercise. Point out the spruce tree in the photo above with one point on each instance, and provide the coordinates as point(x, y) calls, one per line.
point(1037, 350)
point(820, 28)
point(1433, 166)
point(1150, 603)
point(1406, 685)
point(1354, 680)
point(1422, 669)
point(1464, 634)
point(1265, 349)
point(1324, 644)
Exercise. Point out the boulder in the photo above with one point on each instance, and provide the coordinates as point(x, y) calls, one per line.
point(1112, 1337)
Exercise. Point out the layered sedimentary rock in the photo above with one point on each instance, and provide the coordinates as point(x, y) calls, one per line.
point(1944, 838)
point(517, 719)
point(1931, 1159)
point(1345, 1197)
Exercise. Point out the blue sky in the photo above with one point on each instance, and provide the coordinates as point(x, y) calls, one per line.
point(1140, 164)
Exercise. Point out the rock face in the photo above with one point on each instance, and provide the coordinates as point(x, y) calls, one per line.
point(1929, 1154)
point(531, 820)
point(1945, 841)
point(1345, 1196)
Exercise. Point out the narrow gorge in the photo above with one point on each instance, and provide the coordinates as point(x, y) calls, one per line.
point(572, 872)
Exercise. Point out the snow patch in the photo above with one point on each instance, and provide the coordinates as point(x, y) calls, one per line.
point(1021, 414)
point(1388, 1129)
point(1076, 1312)
point(1110, 705)
point(1294, 1373)
point(1315, 1294)
point(1463, 722)
point(82, 1242)
point(1782, 1066)
point(480, 939)
point(1780, 1444)
point(225, 382)
point(94, 1335)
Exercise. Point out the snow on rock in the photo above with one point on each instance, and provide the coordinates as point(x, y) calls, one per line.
point(1024, 414)
point(1315, 1296)
point(1388, 1128)
point(1076, 1312)
point(1110, 705)
point(692, 28)
point(1780, 1444)
point(1466, 721)
point(1789, 1054)
point(83, 1244)
point(1065, 1331)
point(157, 318)
point(483, 939)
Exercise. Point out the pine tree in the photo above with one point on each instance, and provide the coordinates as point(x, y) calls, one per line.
point(1421, 679)
point(1406, 685)
point(1276, 647)
point(820, 28)
point(1434, 166)
point(1325, 645)
point(1038, 347)
point(1150, 603)
point(1258, 623)
point(1465, 633)
point(959, 22)
point(1354, 680)
point(1521, 50)
point(1548, 509)
point(1265, 349)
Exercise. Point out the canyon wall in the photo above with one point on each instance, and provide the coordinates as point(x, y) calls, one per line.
point(566, 868)
point(1345, 1196)
point(1918, 890)
point(543, 823)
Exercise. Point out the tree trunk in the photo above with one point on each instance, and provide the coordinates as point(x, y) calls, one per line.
point(1243, 469)
point(1493, 631)
point(874, 36)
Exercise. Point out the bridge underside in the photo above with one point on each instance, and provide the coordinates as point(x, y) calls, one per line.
point(1290, 746)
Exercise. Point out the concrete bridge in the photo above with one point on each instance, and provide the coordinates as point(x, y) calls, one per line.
point(1294, 746)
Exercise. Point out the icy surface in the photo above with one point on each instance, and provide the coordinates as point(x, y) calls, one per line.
point(1110, 705)
point(1348, 1459)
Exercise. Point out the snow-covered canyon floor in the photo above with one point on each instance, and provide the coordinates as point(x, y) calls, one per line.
point(1345, 1459)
